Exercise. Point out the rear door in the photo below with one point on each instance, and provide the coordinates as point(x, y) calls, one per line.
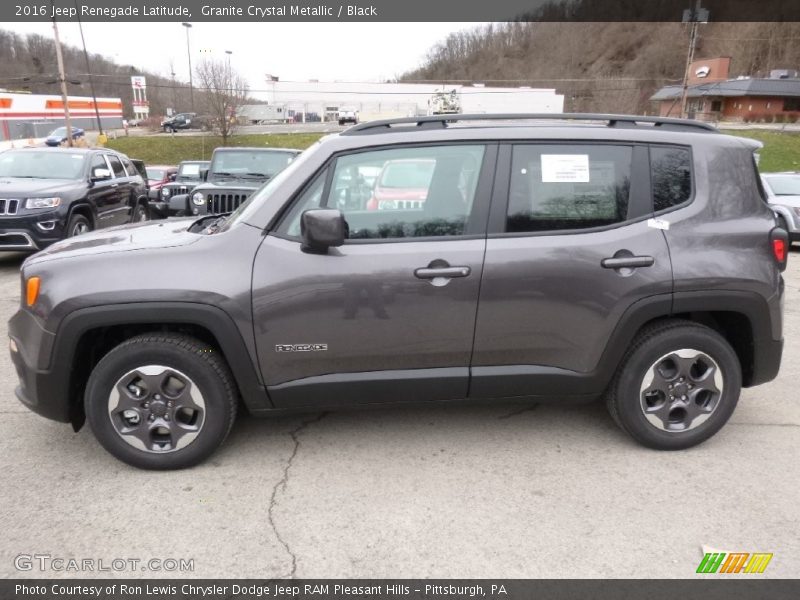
point(390, 315)
point(570, 248)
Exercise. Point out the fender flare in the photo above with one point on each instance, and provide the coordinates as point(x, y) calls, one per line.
point(211, 318)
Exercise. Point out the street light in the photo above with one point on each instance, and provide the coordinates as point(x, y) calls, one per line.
point(189, 54)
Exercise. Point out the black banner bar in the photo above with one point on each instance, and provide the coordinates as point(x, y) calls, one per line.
point(740, 587)
point(398, 11)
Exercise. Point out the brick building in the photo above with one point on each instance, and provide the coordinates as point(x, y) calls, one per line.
point(713, 96)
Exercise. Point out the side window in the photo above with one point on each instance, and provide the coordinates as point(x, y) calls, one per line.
point(576, 186)
point(98, 162)
point(398, 193)
point(116, 166)
point(129, 168)
point(671, 173)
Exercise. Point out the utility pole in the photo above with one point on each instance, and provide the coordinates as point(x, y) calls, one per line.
point(693, 16)
point(89, 73)
point(189, 54)
point(63, 79)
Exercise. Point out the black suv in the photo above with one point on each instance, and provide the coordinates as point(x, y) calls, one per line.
point(47, 194)
point(190, 173)
point(629, 258)
point(181, 121)
point(233, 175)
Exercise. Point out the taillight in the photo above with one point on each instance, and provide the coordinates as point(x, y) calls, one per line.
point(779, 239)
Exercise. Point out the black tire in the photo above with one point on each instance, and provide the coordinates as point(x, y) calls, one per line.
point(199, 363)
point(140, 213)
point(77, 225)
point(625, 398)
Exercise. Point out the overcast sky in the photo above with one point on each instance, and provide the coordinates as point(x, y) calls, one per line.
point(292, 51)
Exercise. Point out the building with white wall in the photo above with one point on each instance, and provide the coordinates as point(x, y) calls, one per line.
point(322, 100)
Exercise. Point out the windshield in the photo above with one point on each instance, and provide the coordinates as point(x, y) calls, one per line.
point(41, 165)
point(784, 185)
point(254, 163)
point(155, 174)
point(258, 197)
point(189, 170)
point(60, 131)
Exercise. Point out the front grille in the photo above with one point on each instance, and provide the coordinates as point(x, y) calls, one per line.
point(225, 203)
point(9, 206)
point(177, 190)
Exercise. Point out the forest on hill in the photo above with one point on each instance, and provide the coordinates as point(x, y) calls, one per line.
point(603, 67)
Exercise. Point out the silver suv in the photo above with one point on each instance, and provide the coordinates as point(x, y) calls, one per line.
point(569, 257)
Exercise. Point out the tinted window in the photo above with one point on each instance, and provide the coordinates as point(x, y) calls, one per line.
point(556, 187)
point(399, 193)
point(98, 162)
point(672, 176)
point(116, 166)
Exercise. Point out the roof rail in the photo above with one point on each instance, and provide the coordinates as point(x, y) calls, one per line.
point(441, 122)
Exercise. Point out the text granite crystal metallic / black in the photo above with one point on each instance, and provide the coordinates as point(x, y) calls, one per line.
point(560, 258)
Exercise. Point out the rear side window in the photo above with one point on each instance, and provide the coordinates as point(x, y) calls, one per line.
point(116, 166)
point(562, 187)
point(671, 174)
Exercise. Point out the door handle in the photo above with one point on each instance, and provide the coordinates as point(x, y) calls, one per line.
point(448, 272)
point(627, 262)
point(114, 185)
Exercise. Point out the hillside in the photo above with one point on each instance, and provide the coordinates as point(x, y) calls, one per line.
point(28, 63)
point(603, 67)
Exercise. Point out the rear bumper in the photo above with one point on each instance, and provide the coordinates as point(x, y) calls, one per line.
point(766, 361)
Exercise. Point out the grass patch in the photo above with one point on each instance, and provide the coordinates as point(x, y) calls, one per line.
point(781, 151)
point(170, 150)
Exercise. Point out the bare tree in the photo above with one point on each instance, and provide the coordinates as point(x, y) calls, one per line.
point(224, 91)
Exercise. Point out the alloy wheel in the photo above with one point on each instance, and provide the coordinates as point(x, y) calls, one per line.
point(156, 409)
point(681, 390)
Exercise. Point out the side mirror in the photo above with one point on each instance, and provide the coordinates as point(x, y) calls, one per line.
point(99, 174)
point(172, 176)
point(322, 228)
point(203, 174)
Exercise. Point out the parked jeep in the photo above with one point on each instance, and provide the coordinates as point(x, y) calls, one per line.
point(190, 174)
point(629, 258)
point(234, 174)
point(178, 121)
point(48, 194)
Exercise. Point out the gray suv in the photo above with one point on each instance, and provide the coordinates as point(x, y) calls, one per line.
point(511, 256)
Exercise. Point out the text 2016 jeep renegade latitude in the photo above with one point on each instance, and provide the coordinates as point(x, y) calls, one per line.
point(621, 257)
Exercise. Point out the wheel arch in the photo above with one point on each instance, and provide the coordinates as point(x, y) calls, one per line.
point(86, 335)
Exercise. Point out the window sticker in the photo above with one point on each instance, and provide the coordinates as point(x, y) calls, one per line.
point(565, 168)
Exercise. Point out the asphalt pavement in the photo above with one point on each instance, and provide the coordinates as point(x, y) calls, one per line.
point(498, 490)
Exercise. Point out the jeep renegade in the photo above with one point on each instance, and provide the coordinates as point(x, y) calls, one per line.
point(565, 257)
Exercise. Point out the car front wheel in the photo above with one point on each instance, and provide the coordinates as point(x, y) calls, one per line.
point(677, 385)
point(77, 225)
point(161, 401)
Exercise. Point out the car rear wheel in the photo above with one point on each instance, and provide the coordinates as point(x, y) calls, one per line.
point(77, 225)
point(677, 385)
point(161, 401)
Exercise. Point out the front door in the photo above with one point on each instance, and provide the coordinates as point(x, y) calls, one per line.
point(570, 248)
point(390, 315)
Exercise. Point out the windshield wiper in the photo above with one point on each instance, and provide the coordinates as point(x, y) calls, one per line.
point(223, 173)
point(252, 174)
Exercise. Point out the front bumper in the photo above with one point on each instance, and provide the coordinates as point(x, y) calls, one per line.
point(41, 388)
point(29, 232)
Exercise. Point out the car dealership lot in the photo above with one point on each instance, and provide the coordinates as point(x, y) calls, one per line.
point(491, 490)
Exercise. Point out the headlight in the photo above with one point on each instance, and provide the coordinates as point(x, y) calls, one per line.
point(42, 202)
point(198, 199)
point(165, 192)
